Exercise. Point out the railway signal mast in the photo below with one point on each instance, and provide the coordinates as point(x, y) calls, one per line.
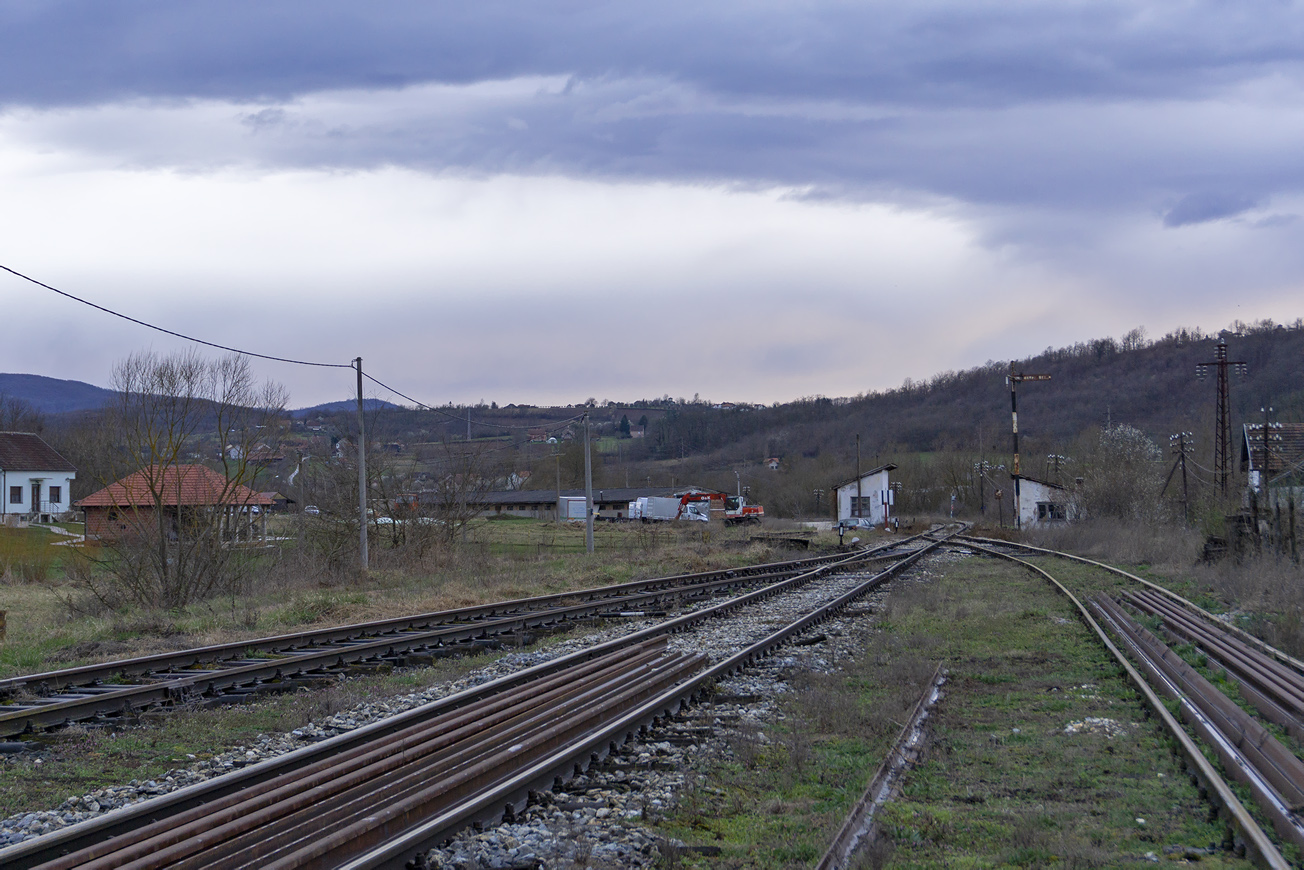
point(1013, 380)
point(1223, 436)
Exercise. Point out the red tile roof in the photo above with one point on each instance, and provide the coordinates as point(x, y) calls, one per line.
point(25, 451)
point(177, 484)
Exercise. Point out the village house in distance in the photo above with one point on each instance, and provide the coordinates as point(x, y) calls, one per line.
point(129, 507)
point(35, 481)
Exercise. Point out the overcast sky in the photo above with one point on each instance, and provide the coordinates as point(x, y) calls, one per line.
point(544, 202)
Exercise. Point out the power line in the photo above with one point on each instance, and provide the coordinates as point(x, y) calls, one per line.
point(139, 322)
point(382, 385)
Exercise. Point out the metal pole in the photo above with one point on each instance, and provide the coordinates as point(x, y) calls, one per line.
point(362, 475)
point(557, 456)
point(859, 495)
point(1014, 417)
point(588, 489)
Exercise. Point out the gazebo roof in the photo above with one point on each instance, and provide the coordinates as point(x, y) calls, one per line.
point(173, 485)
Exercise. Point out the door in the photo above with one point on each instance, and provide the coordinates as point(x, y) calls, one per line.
point(36, 496)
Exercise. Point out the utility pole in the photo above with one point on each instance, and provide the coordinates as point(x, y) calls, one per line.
point(1179, 444)
point(588, 490)
point(362, 474)
point(1223, 437)
point(557, 456)
point(859, 499)
point(1013, 380)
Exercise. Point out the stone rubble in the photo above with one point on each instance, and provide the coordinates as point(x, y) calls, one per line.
point(599, 819)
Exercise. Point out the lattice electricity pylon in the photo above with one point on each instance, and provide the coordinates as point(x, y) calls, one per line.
point(1223, 438)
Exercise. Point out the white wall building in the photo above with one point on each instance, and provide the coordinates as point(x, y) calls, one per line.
point(1041, 503)
point(34, 479)
point(874, 494)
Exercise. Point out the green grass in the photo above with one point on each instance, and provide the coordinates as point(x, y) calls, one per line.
point(1002, 783)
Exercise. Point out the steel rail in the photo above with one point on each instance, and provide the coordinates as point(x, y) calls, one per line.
point(1244, 635)
point(885, 782)
point(1220, 794)
point(357, 764)
point(1274, 689)
point(33, 852)
point(313, 662)
point(1248, 753)
point(489, 805)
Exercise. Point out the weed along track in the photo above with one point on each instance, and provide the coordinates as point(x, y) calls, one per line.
point(1112, 605)
point(233, 672)
point(385, 794)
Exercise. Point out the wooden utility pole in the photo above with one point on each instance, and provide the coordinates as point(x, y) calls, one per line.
point(1179, 444)
point(1013, 380)
point(362, 474)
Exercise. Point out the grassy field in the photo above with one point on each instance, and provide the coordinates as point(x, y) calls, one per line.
point(1041, 754)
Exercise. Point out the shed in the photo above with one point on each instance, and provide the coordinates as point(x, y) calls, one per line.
point(1042, 502)
point(872, 498)
point(1274, 463)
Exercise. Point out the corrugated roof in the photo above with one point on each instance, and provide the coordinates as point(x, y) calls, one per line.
point(177, 484)
point(25, 451)
point(1285, 447)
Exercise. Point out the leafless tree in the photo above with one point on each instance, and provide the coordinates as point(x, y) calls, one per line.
point(173, 412)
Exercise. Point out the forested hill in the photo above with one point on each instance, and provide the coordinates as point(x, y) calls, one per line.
point(1151, 385)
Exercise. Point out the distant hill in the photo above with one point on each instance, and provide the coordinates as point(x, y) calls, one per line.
point(52, 395)
point(346, 405)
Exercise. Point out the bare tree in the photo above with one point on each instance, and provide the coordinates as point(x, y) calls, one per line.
point(20, 415)
point(192, 435)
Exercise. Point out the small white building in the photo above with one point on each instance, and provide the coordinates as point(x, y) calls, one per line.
point(871, 499)
point(35, 480)
point(1041, 502)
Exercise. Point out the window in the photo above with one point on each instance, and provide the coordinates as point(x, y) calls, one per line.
point(865, 505)
point(56, 494)
point(15, 495)
point(1050, 511)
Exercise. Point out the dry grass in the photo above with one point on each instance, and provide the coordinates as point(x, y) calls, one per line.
point(55, 623)
point(1160, 546)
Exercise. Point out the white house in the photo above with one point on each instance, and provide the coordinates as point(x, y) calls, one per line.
point(1041, 502)
point(34, 479)
point(872, 499)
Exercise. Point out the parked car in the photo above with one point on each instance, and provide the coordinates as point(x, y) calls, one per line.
point(856, 523)
point(312, 510)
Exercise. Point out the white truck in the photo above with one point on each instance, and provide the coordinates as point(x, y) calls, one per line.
point(574, 508)
point(658, 509)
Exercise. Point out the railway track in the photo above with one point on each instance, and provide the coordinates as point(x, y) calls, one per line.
point(441, 767)
point(233, 672)
point(1270, 681)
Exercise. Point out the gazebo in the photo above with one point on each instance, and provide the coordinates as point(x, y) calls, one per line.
point(185, 496)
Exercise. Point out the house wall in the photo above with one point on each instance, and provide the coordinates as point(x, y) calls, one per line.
point(1033, 493)
point(99, 526)
point(872, 487)
point(24, 480)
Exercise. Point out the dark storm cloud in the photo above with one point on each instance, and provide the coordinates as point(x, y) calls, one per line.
point(938, 53)
point(999, 103)
point(1197, 208)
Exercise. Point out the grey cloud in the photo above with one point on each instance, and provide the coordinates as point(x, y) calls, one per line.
point(1198, 208)
point(993, 104)
point(86, 51)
